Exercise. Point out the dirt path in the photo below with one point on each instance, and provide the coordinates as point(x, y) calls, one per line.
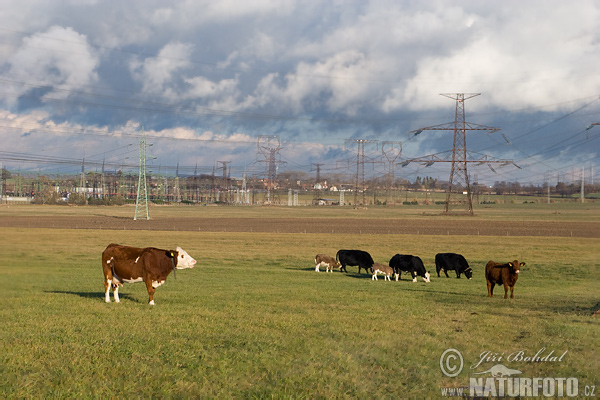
point(437, 226)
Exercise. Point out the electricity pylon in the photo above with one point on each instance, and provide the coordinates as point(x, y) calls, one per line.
point(141, 201)
point(359, 182)
point(227, 197)
point(317, 187)
point(269, 147)
point(458, 195)
point(391, 151)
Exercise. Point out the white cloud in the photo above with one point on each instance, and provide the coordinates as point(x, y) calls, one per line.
point(59, 57)
point(156, 73)
point(203, 88)
point(527, 59)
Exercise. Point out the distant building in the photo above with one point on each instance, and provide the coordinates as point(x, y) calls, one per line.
point(325, 202)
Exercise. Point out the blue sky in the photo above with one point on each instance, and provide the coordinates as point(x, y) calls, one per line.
point(79, 79)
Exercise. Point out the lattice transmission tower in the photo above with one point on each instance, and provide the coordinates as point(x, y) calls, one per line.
point(458, 195)
point(269, 147)
point(227, 195)
point(317, 187)
point(391, 151)
point(359, 180)
point(141, 200)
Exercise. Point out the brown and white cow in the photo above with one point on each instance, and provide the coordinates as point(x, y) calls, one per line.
point(323, 260)
point(502, 274)
point(382, 269)
point(125, 264)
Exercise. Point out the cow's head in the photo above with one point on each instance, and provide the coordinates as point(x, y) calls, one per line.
point(515, 266)
point(469, 273)
point(427, 277)
point(183, 259)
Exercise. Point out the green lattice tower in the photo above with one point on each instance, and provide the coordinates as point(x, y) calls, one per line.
point(141, 201)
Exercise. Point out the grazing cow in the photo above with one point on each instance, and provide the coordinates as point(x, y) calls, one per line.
point(502, 274)
point(382, 269)
point(355, 257)
point(323, 260)
point(408, 263)
point(452, 261)
point(124, 264)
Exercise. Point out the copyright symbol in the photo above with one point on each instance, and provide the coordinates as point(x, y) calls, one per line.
point(451, 362)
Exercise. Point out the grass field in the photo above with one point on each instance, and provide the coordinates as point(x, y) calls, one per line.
point(254, 319)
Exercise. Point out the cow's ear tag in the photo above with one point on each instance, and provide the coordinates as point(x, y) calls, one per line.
point(522, 264)
point(172, 254)
point(510, 264)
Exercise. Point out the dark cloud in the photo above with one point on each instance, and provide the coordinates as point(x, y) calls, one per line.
point(313, 73)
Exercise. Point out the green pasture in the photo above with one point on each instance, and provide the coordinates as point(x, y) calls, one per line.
point(254, 319)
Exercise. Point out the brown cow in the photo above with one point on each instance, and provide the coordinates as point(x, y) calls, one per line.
point(502, 274)
point(323, 260)
point(125, 264)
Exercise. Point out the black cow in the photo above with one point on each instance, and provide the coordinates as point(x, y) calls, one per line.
point(407, 263)
point(452, 261)
point(355, 257)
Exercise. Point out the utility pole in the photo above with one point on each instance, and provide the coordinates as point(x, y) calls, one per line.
point(82, 177)
point(318, 188)
point(245, 193)
point(102, 180)
point(82, 184)
point(141, 201)
point(587, 137)
point(18, 184)
point(582, 196)
point(177, 190)
point(547, 182)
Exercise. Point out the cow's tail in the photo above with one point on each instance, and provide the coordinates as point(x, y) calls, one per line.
point(114, 275)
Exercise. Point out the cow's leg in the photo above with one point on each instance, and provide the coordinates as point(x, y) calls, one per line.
point(151, 291)
point(506, 291)
point(458, 273)
point(397, 275)
point(374, 278)
point(512, 288)
point(116, 293)
point(490, 286)
point(445, 273)
point(317, 267)
point(414, 276)
point(107, 285)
